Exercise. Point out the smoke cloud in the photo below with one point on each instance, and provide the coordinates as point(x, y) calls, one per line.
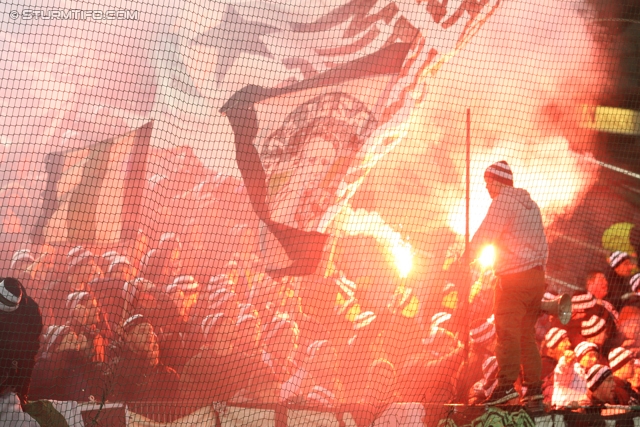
point(524, 77)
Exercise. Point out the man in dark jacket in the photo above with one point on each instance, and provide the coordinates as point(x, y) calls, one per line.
point(621, 364)
point(601, 388)
point(20, 329)
point(138, 374)
point(65, 370)
point(618, 275)
point(19, 323)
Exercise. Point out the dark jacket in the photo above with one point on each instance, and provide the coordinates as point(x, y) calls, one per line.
point(68, 375)
point(134, 380)
point(624, 393)
point(618, 286)
point(19, 342)
point(548, 368)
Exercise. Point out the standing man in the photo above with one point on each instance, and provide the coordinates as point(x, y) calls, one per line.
point(514, 227)
point(618, 275)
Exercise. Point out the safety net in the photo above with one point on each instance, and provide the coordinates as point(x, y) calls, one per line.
point(327, 212)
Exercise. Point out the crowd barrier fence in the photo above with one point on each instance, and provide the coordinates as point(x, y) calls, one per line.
point(163, 414)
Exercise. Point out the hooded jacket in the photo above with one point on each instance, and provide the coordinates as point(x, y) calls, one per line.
point(514, 226)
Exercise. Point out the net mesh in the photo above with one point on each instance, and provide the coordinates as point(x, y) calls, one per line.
point(336, 213)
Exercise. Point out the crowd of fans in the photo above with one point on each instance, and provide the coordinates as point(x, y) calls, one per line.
point(111, 330)
point(114, 331)
point(591, 361)
point(141, 322)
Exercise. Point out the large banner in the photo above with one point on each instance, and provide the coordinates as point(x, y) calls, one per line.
point(93, 193)
point(304, 145)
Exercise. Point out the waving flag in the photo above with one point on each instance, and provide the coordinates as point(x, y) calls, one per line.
point(93, 192)
point(304, 145)
point(296, 147)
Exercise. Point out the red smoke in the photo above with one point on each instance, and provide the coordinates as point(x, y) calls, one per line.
point(524, 77)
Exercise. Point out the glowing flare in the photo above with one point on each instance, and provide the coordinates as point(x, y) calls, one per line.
point(361, 222)
point(403, 256)
point(487, 257)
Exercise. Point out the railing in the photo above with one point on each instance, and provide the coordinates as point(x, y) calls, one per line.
point(176, 414)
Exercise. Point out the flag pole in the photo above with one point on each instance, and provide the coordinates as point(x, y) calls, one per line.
point(467, 261)
point(468, 191)
point(464, 272)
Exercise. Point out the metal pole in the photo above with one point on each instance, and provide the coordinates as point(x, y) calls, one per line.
point(463, 273)
point(467, 261)
point(468, 190)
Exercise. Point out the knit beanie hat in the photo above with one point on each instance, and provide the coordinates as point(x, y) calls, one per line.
point(344, 308)
point(401, 301)
point(53, 336)
point(501, 172)
point(75, 298)
point(593, 326)
point(22, 255)
point(110, 255)
point(83, 258)
point(10, 295)
point(585, 347)
point(169, 241)
point(618, 357)
point(490, 374)
point(482, 331)
point(610, 310)
point(439, 318)
point(490, 368)
point(247, 308)
point(186, 283)
point(596, 376)
point(248, 321)
point(554, 336)
point(133, 321)
point(277, 325)
point(617, 258)
point(147, 259)
point(316, 346)
point(221, 281)
point(130, 290)
point(223, 300)
point(347, 287)
point(582, 302)
point(74, 252)
point(363, 320)
point(635, 283)
point(117, 260)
